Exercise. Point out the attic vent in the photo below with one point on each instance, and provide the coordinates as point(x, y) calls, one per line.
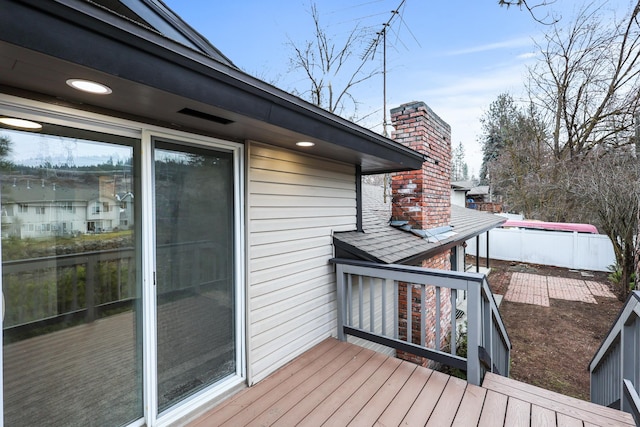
point(205, 116)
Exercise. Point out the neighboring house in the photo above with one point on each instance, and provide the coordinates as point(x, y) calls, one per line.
point(481, 198)
point(33, 208)
point(459, 190)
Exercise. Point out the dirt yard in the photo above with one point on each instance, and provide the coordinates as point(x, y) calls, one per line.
point(553, 346)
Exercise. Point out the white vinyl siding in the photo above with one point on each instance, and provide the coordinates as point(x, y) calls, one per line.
point(295, 203)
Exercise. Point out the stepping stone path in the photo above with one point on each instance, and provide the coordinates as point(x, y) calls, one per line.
point(535, 289)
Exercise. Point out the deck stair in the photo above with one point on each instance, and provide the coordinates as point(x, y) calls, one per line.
point(548, 408)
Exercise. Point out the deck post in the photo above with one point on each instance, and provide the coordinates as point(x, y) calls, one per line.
point(474, 329)
point(487, 254)
point(89, 288)
point(340, 299)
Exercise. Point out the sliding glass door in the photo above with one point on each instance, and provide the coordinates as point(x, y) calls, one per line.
point(72, 332)
point(121, 273)
point(195, 291)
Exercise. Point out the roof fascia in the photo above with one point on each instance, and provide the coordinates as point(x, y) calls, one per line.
point(450, 244)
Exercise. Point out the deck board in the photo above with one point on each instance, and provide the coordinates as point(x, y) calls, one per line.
point(470, 407)
point(518, 413)
point(445, 412)
point(397, 409)
point(327, 388)
point(379, 402)
point(494, 410)
point(426, 401)
point(329, 405)
point(542, 416)
point(339, 384)
point(354, 404)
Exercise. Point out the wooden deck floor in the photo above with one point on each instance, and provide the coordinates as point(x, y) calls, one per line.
point(339, 384)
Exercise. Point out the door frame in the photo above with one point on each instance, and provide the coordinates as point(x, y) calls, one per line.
point(39, 111)
point(195, 403)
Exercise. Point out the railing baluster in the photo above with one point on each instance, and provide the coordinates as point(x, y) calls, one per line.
point(453, 294)
point(423, 312)
point(372, 309)
point(360, 302)
point(409, 312)
point(396, 314)
point(383, 304)
point(438, 318)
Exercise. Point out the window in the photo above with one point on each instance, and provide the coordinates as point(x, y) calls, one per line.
point(67, 206)
point(40, 210)
point(105, 207)
point(23, 208)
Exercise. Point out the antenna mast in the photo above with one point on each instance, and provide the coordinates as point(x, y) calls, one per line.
point(382, 37)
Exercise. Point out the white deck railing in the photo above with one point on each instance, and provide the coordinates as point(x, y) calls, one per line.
point(369, 308)
point(615, 369)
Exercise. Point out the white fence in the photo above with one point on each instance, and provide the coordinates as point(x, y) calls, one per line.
point(580, 251)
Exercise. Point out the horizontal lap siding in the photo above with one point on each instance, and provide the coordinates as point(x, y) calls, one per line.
point(295, 202)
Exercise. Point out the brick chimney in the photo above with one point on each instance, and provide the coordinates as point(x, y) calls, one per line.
point(422, 197)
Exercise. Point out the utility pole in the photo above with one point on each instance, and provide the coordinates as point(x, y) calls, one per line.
point(384, 81)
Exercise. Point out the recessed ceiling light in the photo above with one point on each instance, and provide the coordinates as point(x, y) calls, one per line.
point(305, 144)
point(89, 86)
point(20, 123)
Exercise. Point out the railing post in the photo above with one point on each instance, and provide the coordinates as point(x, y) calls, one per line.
point(89, 287)
point(340, 299)
point(474, 329)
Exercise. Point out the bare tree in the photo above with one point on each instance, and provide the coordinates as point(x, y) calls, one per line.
point(534, 9)
point(515, 158)
point(607, 185)
point(332, 70)
point(588, 82)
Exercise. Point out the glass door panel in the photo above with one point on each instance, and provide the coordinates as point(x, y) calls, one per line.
point(71, 331)
point(194, 211)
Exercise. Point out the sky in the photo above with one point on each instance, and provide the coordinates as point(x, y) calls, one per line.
point(455, 56)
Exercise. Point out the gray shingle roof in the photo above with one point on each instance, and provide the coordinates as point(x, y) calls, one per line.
point(383, 243)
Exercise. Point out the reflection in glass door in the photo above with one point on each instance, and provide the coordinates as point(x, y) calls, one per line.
point(194, 211)
point(71, 331)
